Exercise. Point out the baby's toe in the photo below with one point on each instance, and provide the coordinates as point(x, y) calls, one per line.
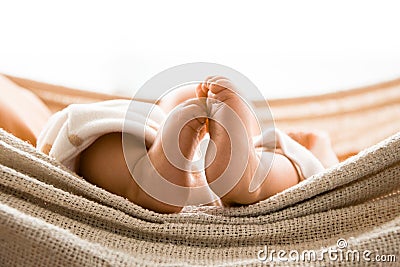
point(219, 84)
point(201, 91)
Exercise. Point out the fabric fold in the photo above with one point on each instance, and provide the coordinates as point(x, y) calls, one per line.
point(73, 129)
point(273, 138)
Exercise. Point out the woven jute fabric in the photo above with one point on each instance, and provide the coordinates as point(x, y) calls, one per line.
point(51, 217)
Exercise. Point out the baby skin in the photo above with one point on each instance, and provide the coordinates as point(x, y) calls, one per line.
point(103, 163)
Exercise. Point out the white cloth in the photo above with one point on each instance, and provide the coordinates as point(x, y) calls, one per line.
point(73, 129)
point(298, 154)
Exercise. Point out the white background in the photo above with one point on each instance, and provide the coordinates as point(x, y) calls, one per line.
point(286, 48)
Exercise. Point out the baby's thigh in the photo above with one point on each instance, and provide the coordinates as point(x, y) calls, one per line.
point(103, 164)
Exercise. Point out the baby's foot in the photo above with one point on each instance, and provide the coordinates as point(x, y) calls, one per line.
point(232, 126)
point(171, 157)
point(108, 163)
point(319, 143)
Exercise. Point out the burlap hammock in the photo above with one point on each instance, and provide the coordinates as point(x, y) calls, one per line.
point(51, 217)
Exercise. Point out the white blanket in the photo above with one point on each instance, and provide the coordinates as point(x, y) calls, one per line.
point(75, 128)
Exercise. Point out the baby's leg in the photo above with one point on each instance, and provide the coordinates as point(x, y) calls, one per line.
point(22, 113)
point(177, 96)
point(103, 163)
point(240, 157)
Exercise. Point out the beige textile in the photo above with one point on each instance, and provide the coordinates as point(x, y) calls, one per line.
point(51, 217)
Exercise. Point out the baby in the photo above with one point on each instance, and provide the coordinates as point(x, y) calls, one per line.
point(204, 109)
